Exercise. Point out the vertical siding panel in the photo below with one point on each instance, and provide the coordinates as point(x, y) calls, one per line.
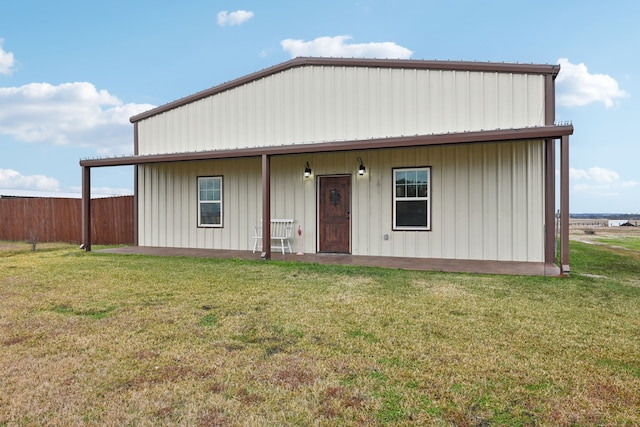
point(489, 106)
point(535, 200)
point(297, 113)
point(148, 211)
point(363, 105)
point(162, 202)
point(476, 99)
point(422, 112)
point(505, 202)
point(386, 199)
point(505, 101)
point(209, 124)
point(238, 231)
point(448, 196)
point(435, 235)
point(476, 202)
point(435, 101)
point(371, 103)
point(239, 121)
point(170, 207)
point(462, 218)
point(448, 101)
point(373, 204)
point(409, 103)
point(462, 100)
point(190, 188)
point(231, 204)
point(397, 111)
point(174, 208)
point(519, 214)
point(536, 96)
point(520, 98)
point(490, 205)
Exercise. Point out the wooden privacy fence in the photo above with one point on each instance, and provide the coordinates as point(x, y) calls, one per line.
point(60, 220)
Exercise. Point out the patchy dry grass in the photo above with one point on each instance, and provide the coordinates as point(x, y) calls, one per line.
point(97, 339)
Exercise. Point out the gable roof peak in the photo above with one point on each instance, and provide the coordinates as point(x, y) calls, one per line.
point(304, 61)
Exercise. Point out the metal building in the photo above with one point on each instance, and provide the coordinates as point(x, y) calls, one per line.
point(394, 158)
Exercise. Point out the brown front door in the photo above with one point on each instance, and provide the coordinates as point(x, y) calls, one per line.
point(334, 213)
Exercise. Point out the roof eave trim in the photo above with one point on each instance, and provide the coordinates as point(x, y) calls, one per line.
point(540, 132)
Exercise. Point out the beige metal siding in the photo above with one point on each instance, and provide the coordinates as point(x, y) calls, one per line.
point(168, 212)
point(487, 203)
point(486, 199)
point(328, 103)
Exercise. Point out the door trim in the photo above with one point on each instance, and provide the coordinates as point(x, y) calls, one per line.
point(318, 207)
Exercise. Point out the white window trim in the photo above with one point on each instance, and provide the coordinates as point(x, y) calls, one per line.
point(417, 198)
point(221, 202)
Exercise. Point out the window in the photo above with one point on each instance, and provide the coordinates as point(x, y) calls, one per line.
point(210, 201)
point(411, 201)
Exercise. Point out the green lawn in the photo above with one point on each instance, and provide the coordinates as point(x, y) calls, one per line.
point(102, 339)
point(628, 242)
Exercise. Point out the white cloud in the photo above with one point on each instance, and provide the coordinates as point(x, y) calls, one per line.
point(597, 179)
point(7, 61)
point(338, 47)
point(68, 114)
point(234, 18)
point(13, 179)
point(576, 87)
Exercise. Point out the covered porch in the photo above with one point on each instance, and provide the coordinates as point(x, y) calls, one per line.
point(549, 134)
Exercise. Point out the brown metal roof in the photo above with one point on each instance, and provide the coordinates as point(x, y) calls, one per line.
point(540, 132)
point(496, 67)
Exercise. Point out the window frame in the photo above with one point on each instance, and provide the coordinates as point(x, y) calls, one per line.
point(395, 199)
point(201, 202)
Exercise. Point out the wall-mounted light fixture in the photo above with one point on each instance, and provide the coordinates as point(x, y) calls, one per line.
point(307, 171)
point(361, 168)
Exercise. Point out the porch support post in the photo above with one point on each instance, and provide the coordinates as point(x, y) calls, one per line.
point(136, 151)
point(564, 204)
point(266, 207)
point(135, 204)
point(86, 208)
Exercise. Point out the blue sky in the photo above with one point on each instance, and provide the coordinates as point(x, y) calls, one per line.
point(73, 72)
